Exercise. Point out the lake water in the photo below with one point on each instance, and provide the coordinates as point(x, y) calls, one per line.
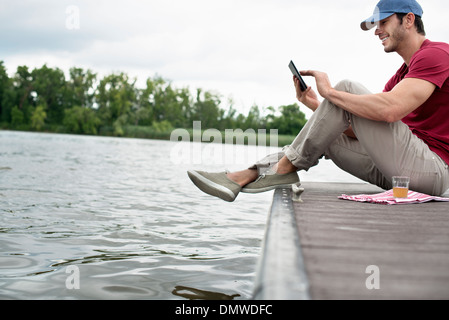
point(111, 218)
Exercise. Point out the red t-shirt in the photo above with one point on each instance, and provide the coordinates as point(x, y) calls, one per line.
point(429, 122)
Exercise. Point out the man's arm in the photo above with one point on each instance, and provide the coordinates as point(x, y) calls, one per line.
point(391, 106)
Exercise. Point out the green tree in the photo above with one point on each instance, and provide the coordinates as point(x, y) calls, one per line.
point(163, 126)
point(253, 120)
point(118, 125)
point(146, 113)
point(81, 88)
point(206, 108)
point(8, 101)
point(44, 98)
point(81, 120)
point(116, 98)
point(185, 101)
point(290, 121)
point(4, 84)
point(17, 117)
point(38, 117)
point(159, 101)
point(20, 94)
point(49, 88)
point(172, 108)
point(226, 119)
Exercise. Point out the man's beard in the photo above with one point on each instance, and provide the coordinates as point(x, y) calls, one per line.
point(396, 38)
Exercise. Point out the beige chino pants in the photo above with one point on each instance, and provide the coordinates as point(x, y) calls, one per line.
point(382, 150)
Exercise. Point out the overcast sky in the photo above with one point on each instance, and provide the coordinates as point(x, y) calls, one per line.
point(239, 49)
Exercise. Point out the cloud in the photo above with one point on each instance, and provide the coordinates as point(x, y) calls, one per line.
point(31, 26)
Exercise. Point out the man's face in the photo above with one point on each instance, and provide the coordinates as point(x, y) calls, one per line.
point(391, 32)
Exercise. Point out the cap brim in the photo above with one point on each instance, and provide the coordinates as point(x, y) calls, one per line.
point(372, 21)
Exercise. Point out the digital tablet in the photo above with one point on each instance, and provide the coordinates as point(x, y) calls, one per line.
point(297, 75)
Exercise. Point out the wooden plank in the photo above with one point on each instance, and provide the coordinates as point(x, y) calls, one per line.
point(340, 239)
point(281, 274)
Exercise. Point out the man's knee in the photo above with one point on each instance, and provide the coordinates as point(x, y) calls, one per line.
point(351, 87)
point(343, 85)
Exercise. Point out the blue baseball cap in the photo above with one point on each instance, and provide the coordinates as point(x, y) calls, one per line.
point(387, 8)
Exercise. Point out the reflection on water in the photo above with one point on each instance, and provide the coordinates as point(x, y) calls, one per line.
point(196, 294)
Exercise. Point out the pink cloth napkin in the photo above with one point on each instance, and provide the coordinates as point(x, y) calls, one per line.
point(387, 198)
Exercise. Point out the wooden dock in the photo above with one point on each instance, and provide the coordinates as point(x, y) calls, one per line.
point(325, 248)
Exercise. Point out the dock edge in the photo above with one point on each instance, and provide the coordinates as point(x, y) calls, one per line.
point(281, 273)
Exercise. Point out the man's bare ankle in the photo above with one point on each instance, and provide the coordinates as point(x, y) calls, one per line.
point(243, 177)
point(284, 166)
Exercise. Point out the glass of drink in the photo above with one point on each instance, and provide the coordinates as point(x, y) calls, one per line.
point(400, 187)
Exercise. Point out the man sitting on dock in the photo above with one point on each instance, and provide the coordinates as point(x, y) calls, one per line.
point(401, 131)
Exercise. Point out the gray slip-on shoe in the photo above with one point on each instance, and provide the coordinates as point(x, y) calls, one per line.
point(271, 181)
point(215, 184)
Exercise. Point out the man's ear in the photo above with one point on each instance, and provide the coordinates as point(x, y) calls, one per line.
point(409, 20)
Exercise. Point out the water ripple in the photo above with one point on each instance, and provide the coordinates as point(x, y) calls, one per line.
point(126, 217)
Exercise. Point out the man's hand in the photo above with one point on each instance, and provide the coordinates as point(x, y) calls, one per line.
point(308, 97)
point(322, 82)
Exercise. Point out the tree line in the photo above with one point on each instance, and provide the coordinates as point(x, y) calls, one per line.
point(44, 99)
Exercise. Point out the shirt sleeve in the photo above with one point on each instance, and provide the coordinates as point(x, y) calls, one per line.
point(396, 78)
point(390, 84)
point(431, 64)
